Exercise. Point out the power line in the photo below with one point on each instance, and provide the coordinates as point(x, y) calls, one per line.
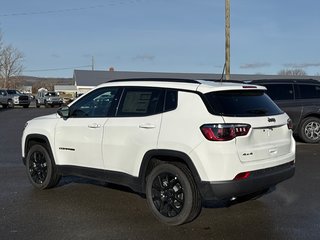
point(49, 11)
point(111, 3)
point(56, 69)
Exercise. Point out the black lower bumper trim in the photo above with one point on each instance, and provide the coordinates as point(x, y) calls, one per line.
point(259, 180)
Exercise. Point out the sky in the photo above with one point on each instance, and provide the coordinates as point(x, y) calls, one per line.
point(188, 36)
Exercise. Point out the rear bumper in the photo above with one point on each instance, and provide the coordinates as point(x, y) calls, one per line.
point(259, 180)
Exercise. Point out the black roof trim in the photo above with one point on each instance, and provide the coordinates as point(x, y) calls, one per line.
point(224, 81)
point(155, 80)
point(283, 81)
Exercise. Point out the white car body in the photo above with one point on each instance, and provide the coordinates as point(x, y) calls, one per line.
point(122, 145)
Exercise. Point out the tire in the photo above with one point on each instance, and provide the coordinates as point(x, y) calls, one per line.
point(10, 104)
point(172, 194)
point(40, 168)
point(309, 131)
point(37, 104)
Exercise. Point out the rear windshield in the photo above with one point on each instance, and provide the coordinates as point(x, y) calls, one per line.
point(242, 103)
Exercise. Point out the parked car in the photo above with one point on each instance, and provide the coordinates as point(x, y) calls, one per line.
point(300, 99)
point(178, 142)
point(48, 98)
point(11, 97)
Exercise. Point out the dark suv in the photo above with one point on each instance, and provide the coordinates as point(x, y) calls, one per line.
point(300, 99)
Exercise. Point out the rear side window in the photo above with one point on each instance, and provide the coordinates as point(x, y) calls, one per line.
point(280, 91)
point(171, 101)
point(141, 101)
point(309, 91)
point(242, 103)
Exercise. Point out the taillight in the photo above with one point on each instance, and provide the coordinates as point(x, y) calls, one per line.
point(289, 124)
point(224, 132)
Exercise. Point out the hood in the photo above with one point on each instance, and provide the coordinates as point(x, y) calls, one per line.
point(50, 116)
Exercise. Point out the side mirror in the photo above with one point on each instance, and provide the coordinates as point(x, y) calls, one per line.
point(64, 112)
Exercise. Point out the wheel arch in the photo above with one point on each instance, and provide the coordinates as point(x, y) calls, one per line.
point(37, 138)
point(152, 157)
point(300, 130)
point(316, 115)
point(310, 115)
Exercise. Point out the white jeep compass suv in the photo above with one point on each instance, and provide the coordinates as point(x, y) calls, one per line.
point(178, 142)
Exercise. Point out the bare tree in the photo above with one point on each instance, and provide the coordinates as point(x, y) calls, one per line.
point(293, 72)
point(10, 63)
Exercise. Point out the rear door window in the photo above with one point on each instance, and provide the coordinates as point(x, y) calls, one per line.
point(242, 103)
point(141, 101)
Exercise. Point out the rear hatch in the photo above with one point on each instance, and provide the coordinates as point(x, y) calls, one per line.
point(264, 130)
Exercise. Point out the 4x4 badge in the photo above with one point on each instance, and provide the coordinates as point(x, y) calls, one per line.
point(271, 120)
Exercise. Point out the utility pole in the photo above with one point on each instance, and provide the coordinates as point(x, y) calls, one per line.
point(227, 50)
point(92, 63)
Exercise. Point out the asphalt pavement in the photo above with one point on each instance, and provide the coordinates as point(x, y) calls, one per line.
point(86, 209)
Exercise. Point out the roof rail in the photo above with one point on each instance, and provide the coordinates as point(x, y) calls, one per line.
point(155, 80)
point(226, 81)
point(284, 80)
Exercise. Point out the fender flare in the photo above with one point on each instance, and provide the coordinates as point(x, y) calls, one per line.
point(166, 155)
point(39, 139)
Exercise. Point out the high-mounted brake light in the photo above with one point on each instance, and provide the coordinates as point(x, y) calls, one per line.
point(224, 132)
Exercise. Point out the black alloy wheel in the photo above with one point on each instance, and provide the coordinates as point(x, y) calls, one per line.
point(172, 194)
point(167, 194)
point(40, 168)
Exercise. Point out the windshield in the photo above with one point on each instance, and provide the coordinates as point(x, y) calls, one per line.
point(51, 94)
point(239, 103)
point(13, 92)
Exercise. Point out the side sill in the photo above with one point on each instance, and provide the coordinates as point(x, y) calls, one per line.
point(114, 177)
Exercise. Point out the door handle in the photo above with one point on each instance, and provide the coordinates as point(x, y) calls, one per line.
point(94, 125)
point(147, 126)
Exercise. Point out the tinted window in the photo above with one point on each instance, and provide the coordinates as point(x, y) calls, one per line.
point(13, 92)
point(309, 91)
point(99, 103)
point(280, 91)
point(171, 100)
point(51, 94)
point(140, 102)
point(242, 103)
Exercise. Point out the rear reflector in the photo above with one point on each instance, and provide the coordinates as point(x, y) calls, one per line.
point(241, 176)
point(224, 132)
